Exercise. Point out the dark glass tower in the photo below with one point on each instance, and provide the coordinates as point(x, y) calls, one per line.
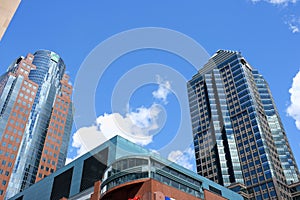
point(36, 118)
point(238, 135)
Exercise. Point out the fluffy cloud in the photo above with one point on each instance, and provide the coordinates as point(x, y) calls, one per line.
point(293, 28)
point(185, 158)
point(294, 23)
point(136, 126)
point(144, 117)
point(282, 1)
point(85, 139)
point(294, 109)
point(68, 160)
point(277, 2)
point(164, 88)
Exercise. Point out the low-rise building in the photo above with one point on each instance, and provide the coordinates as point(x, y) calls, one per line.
point(120, 169)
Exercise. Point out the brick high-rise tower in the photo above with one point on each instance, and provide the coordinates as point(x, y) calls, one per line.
point(35, 120)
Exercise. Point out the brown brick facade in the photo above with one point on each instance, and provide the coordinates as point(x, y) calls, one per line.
point(16, 123)
point(149, 189)
point(210, 195)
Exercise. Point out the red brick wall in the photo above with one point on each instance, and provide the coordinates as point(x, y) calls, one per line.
point(208, 195)
point(16, 124)
point(96, 194)
point(148, 190)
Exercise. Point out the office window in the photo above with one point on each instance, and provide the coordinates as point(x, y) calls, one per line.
point(93, 169)
point(61, 185)
point(215, 190)
point(4, 182)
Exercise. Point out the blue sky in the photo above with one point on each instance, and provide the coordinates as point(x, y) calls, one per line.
point(266, 32)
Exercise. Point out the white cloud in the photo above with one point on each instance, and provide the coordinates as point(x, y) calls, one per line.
point(294, 28)
point(164, 88)
point(185, 158)
point(277, 2)
point(85, 139)
point(294, 23)
point(136, 126)
point(282, 1)
point(144, 117)
point(294, 109)
point(68, 160)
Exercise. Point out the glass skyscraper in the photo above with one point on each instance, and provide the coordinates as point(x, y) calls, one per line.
point(36, 120)
point(238, 136)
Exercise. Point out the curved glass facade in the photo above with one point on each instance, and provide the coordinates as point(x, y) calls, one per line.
point(134, 168)
point(50, 98)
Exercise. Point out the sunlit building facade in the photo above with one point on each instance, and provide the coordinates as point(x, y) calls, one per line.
point(36, 120)
point(119, 169)
point(239, 139)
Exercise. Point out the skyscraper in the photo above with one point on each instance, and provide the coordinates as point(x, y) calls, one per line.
point(35, 120)
point(239, 139)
